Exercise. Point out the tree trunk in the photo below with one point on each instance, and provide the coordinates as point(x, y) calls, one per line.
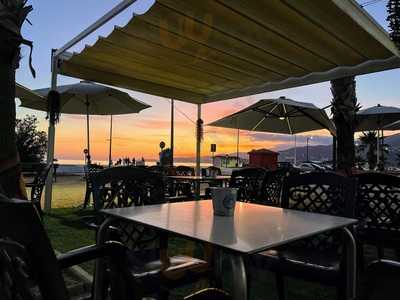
point(344, 108)
point(10, 171)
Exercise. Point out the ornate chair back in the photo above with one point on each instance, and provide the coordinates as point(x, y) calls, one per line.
point(90, 169)
point(125, 187)
point(28, 265)
point(213, 171)
point(249, 182)
point(38, 185)
point(272, 187)
point(184, 171)
point(325, 193)
point(378, 205)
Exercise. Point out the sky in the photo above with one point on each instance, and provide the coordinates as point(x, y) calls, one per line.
point(56, 22)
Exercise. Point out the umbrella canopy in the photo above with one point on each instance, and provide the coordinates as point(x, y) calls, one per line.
point(280, 115)
point(393, 126)
point(87, 97)
point(23, 92)
point(377, 117)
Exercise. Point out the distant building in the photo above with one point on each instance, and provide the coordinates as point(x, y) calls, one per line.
point(263, 158)
point(227, 161)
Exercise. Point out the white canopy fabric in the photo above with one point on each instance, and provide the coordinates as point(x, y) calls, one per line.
point(204, 51)
point(22, 92)
point(280, 115)
point(86, 97)
point(393, 126)
point(377, 117)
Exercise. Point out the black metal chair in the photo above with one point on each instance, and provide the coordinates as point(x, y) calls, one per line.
point(90, 169)
point(248, 181)
point(378, 208)
point(271, 188)
point(29, 268)
point(148, 268)
point(37, 186)
point(378, 272)
point(320, 258)
point(184, 188)
point(209, 294)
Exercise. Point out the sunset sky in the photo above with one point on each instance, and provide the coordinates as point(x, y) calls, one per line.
point(56, 22)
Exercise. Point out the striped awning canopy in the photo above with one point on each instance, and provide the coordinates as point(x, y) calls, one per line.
point(209, 50)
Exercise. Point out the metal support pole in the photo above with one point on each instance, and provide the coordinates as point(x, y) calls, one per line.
point(88, 126)
point(295, 150)
point(198, 143)
point(96, 25)
point(172, 131)
point(307, 149)
point(51, 142)
point(110, 148)
point(334, 152)
point(237, 148)
point(377, 148)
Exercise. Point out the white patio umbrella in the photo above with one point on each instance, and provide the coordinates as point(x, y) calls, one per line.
point(88, 98)
point(393, 126)
point(377, 118)
point(280, 115)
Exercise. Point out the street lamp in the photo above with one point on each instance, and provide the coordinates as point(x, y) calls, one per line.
point(308, 139)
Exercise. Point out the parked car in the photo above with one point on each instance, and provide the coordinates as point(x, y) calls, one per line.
point(310, 167)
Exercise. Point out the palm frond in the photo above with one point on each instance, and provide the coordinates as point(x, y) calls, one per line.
point(13, 14)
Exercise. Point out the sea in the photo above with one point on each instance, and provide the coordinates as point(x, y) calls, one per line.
point(75, 166)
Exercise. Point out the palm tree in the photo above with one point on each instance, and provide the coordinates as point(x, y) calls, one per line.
point(13, 13)
point(344, 109)
point(393, 8)
point(368, 146)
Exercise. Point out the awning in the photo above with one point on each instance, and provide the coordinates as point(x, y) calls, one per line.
point(209, 50)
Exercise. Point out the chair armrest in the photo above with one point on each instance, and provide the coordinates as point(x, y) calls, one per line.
point(84, 254)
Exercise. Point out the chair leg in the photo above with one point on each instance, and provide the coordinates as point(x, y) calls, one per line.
point(381, 252)
point(87, 198)
point(341, 292)
point(360, 257)
point(164, 294)
point(280, 286)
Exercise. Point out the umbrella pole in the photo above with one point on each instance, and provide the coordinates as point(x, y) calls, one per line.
point(88, 129)
point(295, 150)
point(198, 141)
point(110, 149)
point(51, 142)
point(237, 148)
point(172, 131)
point(377, 148)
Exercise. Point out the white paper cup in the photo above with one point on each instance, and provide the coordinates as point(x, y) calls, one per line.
point(224, 200)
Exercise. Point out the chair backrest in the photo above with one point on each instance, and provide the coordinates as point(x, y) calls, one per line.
point(38, 185)
point(28, 265)
point(91, 169)
point(184, 171)
point(212, 171)
point(325, 193)
point(271, 190)
point(378, 201)
point(248, 181)
point(125, 187)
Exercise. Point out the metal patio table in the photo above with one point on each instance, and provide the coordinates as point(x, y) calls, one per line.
point(197, 180)
point(236, 236)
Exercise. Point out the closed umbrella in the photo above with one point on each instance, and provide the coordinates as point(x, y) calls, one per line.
point(88, 98)
point(280, 115)
point(377, 118)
